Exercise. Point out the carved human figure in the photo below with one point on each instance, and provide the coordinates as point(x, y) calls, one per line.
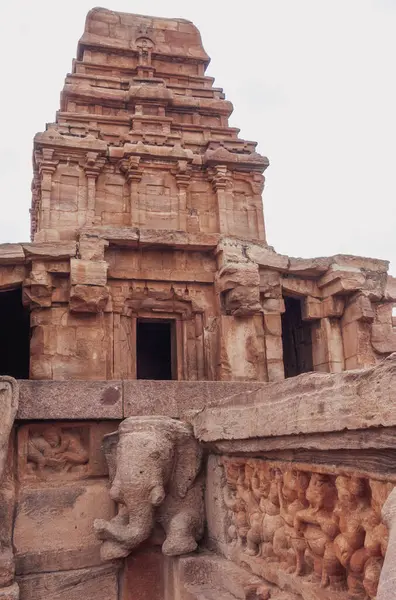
point(260, 484)
point(154, 463)
point(318, 526)
point(366, 562)
point(56, 449)
point(352, 505)
point(288, 544)
point(239, 526)
point(267, 520)
point(246, 490)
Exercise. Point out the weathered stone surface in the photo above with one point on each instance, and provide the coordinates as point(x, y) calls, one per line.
point(10, 592)
point(307, 404)
point(11, 254)
point(175, 399)
point(54, 525)
point(90, 584)
point(386, 589)
point(9, 397)
point(87, 272)
point(50, 250)
point(209, 576)
point(88, 298)
point(70, 399)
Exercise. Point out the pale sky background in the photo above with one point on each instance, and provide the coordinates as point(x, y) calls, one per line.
point(312, 81)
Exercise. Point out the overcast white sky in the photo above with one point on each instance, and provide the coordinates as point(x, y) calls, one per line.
point(313, 81)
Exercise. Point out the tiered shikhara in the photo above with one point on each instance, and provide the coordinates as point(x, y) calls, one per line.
point(147, 213)
point(146, 204)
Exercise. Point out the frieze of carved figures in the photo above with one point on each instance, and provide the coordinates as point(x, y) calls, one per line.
point(322, 526)
point(154, 467)
point(53, 451)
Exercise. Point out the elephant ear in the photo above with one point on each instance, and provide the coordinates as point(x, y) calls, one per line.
point(109, 446)
point(188, 460)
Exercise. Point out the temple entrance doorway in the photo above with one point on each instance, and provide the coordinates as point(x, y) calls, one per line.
point(155, 349)
point(296, 339)
point(14, 335)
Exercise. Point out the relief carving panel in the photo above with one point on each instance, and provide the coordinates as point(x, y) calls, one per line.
point(319, 528)
point(60, 451)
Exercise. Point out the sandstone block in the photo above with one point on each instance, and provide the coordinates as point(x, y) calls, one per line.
point(86, 272)
point(54, 525)
point(70, 400)
point(10, 593)
point(95, 583)
point(88, 298)
point(266, 257)
point(48, 250)
point(11, 254)
point(308, 403)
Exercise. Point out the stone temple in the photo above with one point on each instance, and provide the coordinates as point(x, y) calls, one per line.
point(185, 414)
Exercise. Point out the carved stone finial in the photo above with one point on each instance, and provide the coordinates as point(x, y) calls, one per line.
point(154, 463)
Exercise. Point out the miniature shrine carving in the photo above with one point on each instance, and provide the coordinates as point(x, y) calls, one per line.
point(154, 463)
point(322, 526)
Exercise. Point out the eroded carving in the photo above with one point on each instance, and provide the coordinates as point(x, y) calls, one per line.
point(154, 463)
point(54, 451)
point(324, 527)
point(8, 410)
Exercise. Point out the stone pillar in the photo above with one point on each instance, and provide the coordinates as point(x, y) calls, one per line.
point(47, 167)
point(258, 188)
point(356, 325)
point(130, 167)
point(93, 166)
point(183, 182)
point(220, 179)
point(387, 582)
point(241, 343)
point(327, 343)
point(327, 349)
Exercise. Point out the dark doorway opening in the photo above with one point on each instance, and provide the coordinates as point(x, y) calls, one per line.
point(154, 343)
point(296, 339)
point(14, 335)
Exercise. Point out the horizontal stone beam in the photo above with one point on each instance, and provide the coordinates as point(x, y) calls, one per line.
point(309, 403)
point(46, 400)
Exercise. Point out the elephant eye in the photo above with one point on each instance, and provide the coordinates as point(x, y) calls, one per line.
point(141, 472)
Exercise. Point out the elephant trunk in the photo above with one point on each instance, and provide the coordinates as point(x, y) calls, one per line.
point(125, 531)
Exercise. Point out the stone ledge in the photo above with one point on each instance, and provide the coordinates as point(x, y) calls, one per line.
point(309, 403)
point(70, 400)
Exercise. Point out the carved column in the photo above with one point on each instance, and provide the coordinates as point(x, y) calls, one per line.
point(258, 188)
point(47, 167)
point(92, 167)
point(130, 167)
point(387, 582)
point(221, 182)
point(241, 342)
point(183, 181)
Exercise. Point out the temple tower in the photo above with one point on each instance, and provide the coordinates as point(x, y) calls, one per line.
point(142, 139)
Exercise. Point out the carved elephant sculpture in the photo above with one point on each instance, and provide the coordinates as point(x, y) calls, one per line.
point(154, 464)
